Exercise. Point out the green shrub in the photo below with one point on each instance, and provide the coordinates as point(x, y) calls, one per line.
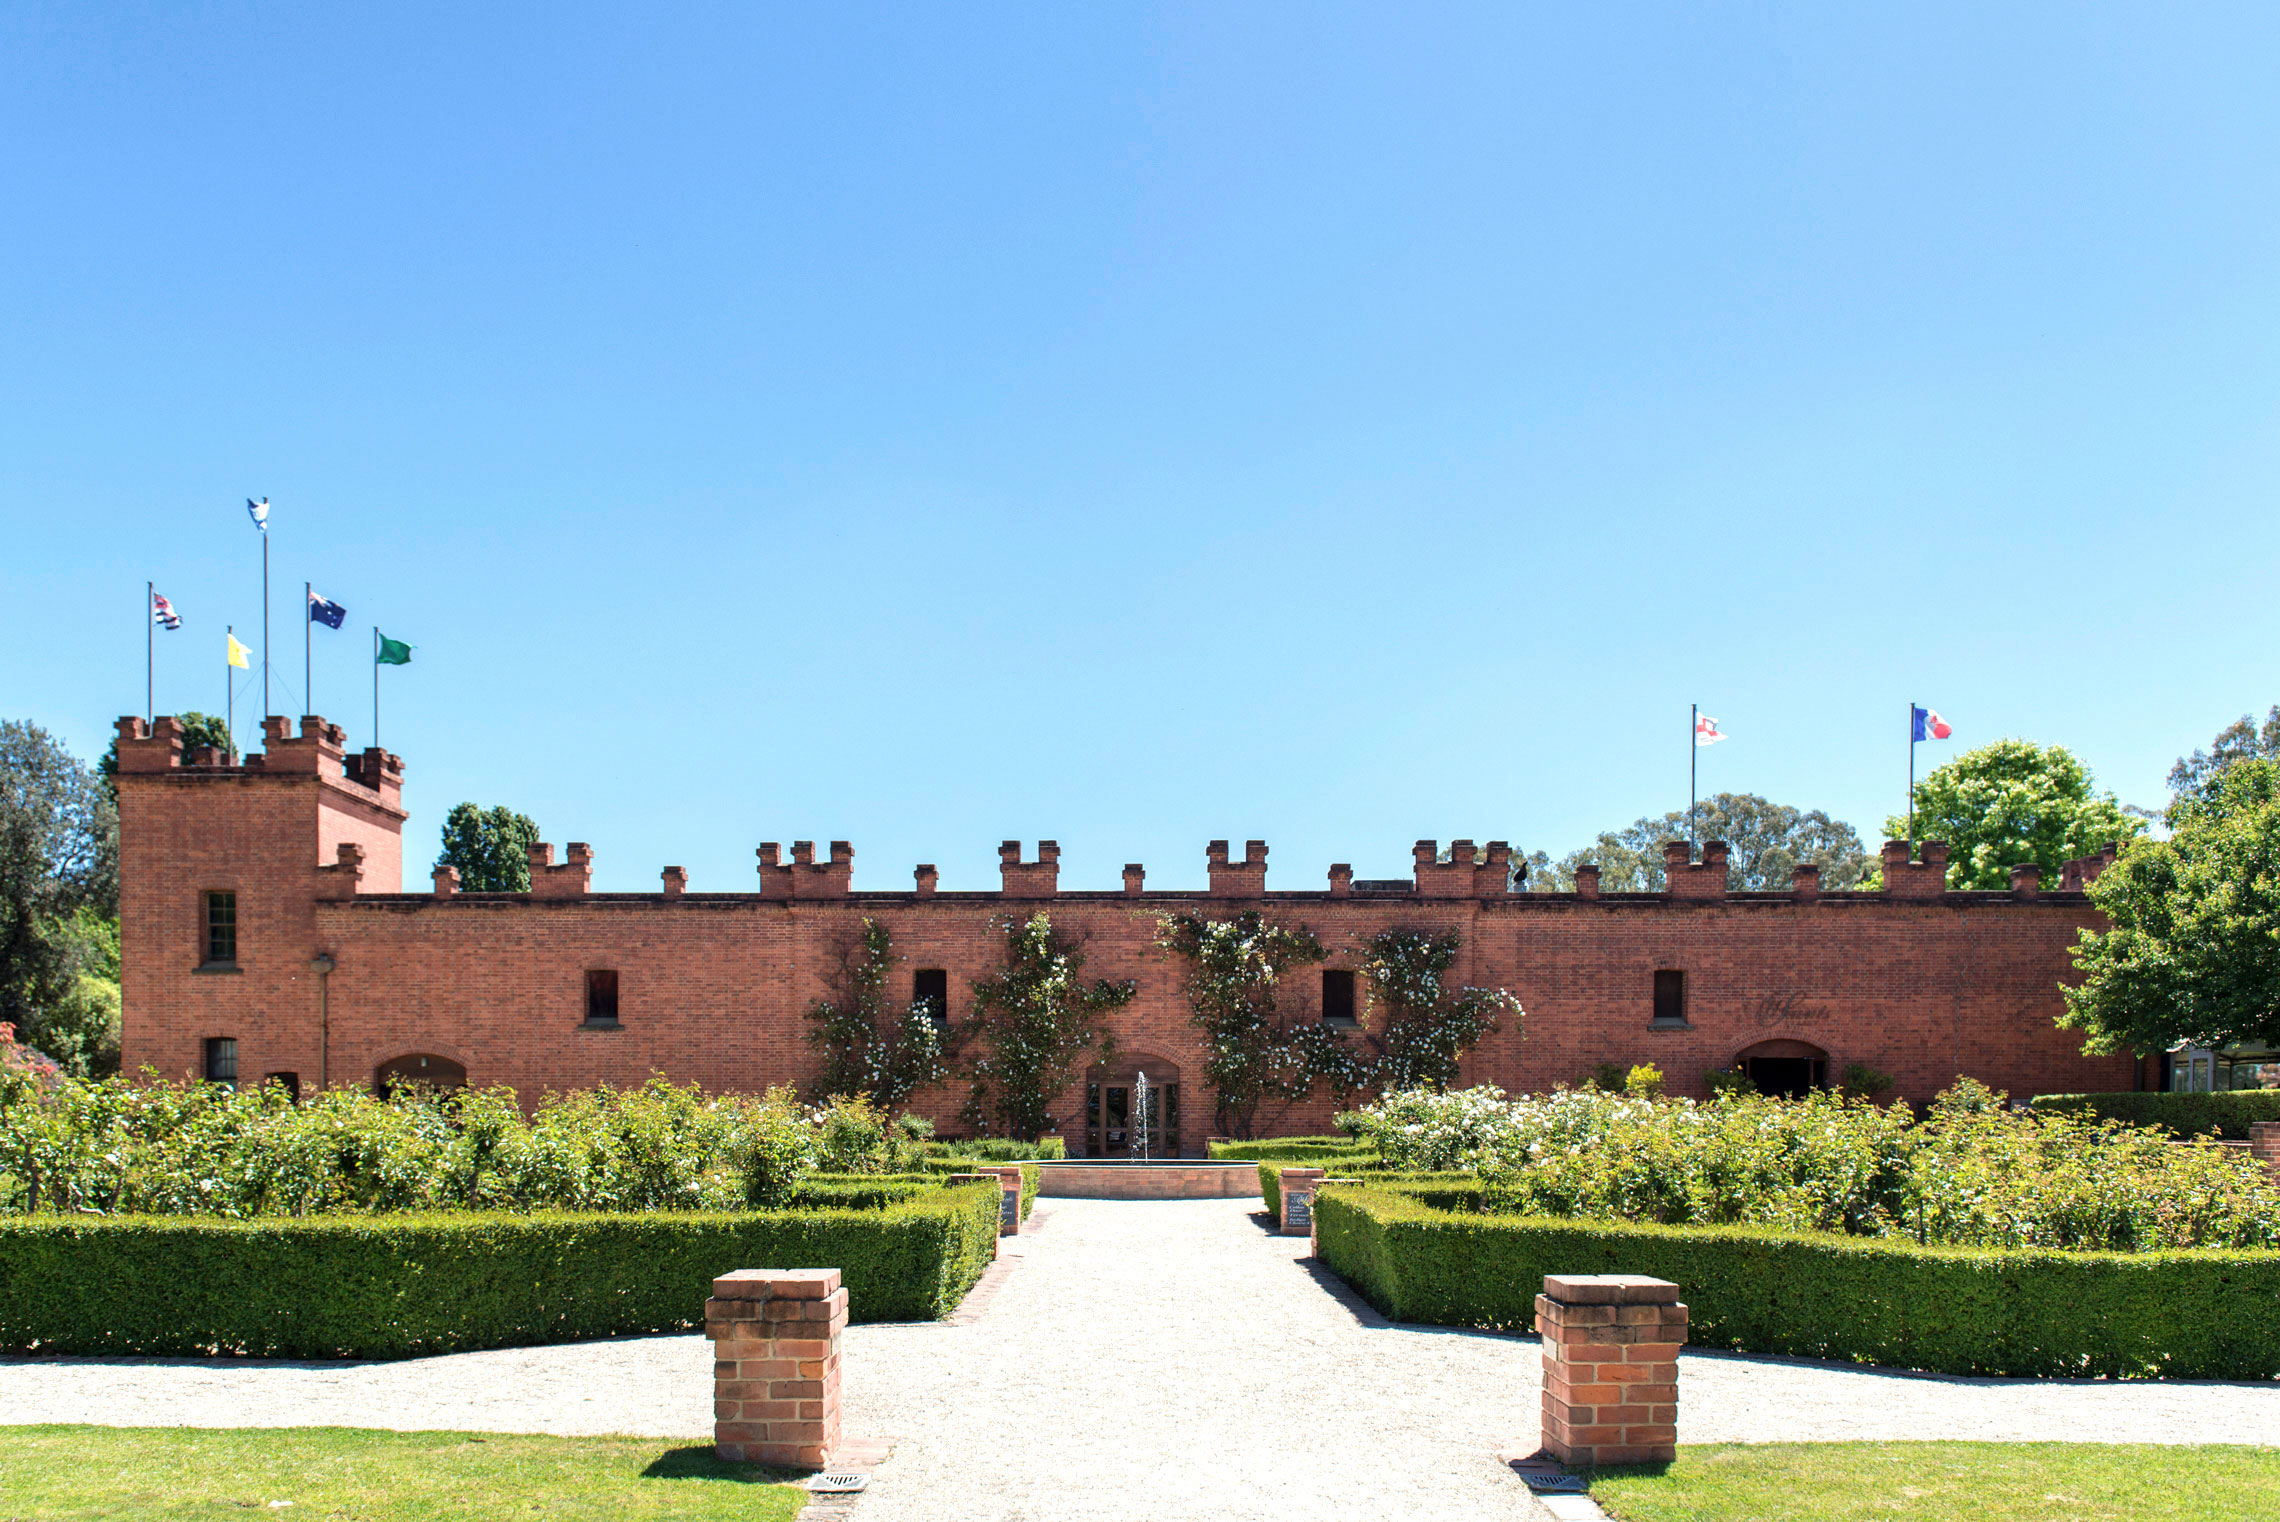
point(1031, 1176)
point(2225, 1115)
point(401, 1286)
point(1001, 1149)
point(1303, 1150)
point(2202, 1314)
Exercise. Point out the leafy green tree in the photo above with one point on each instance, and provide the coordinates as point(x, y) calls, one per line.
point(2193, 775)
point(1765, 841)
point(59, 899)
point(1035, 1019)
point(198, 730)
point(1234, 970)
point(2011, 802)
point(2193, 952)
point(871, 1049)
point(490, 847)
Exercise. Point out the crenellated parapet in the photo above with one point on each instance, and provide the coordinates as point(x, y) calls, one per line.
point(1030, 879)
point(571, 878)
point(1242, 879)
point(803, 877)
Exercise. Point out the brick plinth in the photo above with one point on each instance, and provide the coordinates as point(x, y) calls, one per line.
point(1611, 1346)
point(2264, 1143)
point(775, 1334)
point(1298, 1185)
point(1009, 1209)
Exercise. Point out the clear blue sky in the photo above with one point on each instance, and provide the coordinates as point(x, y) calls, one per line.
point(1338, 425)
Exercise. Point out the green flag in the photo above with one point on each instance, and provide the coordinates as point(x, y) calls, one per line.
point(393, 652)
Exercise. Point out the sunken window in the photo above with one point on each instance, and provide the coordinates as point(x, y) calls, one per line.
point(221, 929)
point(221, 1060)
point(289, 1082)
point(601, 997)
point(930, 986)
point(1338, 998)
point(1670, 997)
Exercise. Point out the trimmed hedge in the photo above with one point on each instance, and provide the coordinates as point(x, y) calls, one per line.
point(935, 1167)
point(1001, 1149)
point(2226, 1116)
point(2201, 1314)
point(1270, 1174)
point(402, 1286)
point(1290, 1149)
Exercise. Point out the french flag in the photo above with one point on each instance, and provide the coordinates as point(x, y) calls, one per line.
point(1929, 725)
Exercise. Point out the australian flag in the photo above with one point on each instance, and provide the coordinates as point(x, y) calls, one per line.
point(323, 610)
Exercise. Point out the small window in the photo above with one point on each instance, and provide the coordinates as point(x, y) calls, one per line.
point(931, 986)
point(601, 997)
point(221, 1060)
point(1670, 998)
point(289, 1082)
point(1338, 998)
point(221, 929)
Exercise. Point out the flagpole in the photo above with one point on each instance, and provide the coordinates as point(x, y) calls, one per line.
point(375, 684)
point(266, 709)
point(1911, 779)
point(1693, 752)
point(229, 694)
point(150, 650)
point(308, 697)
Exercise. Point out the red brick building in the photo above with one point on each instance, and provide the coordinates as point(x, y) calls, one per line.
point(265, 931)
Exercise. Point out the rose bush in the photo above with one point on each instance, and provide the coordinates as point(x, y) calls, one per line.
point(1974, 1172)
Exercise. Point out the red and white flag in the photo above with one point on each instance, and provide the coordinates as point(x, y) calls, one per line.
point(1706, 731)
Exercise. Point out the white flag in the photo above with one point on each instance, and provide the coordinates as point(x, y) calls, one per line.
point(259, 511)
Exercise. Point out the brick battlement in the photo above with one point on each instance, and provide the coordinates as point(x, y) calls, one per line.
point(333, 972)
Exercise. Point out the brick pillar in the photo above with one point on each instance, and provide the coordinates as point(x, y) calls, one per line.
point(1611, 1346)
point(2264, 1143)
point(1009, 1206)
point(1298, 1200)
point(775, 1334)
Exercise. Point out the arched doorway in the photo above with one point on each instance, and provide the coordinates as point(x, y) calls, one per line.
point(418, 1067)
point(1111, 1100)
point(1785, 1069)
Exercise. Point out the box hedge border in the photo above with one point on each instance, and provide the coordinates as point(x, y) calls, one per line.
point(2226, 1114)
point(409, 1285)
point(2202, 1314)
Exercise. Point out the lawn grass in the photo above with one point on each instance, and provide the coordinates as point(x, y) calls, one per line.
point(359, 1475)
point(1935, 1482)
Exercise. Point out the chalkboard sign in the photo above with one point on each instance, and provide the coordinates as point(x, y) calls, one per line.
point(1009, 1211)
point(1298, 1211)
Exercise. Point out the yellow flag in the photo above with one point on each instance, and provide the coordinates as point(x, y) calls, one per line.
point(238, 652)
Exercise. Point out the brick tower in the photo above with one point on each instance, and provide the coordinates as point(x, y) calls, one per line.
point(221, 868)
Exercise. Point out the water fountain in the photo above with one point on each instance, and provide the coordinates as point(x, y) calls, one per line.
point(1141, 1119)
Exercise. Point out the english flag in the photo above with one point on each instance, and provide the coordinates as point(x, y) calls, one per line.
point(1929, 725)
point(1706, 731)
point(162, 613)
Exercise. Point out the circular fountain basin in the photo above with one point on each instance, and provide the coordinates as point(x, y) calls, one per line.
point(1110, 1178)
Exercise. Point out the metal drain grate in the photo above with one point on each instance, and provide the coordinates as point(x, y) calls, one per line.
point(837, 1484)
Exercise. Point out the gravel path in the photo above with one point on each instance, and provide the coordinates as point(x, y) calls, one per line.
point(1170, 1358)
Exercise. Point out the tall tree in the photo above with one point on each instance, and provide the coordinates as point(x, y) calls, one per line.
point(870, 1048)
point(59, 897)
point(1234, 971)
point(2193, 949)
point(1765, 841)
point(2193, 775)
point(1035, 1019)
point(2013, 802)
point(490, 847)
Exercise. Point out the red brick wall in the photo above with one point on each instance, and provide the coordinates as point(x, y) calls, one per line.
point(712, 986)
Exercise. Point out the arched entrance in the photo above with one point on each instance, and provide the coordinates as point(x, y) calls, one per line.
point(1110, 1099)
point(1785, 1069)
point(418, 1067)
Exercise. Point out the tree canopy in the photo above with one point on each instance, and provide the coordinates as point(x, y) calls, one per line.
point(59, 900)
point(2011, 802)
point(490, 847)
point(2193, 952)
point(2193, 775)
point(1764, 841)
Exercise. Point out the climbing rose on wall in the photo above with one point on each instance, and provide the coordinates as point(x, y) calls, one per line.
point(1033, 1021)
point(869, 1047)
point(1428, 1027)
point(1234, 968)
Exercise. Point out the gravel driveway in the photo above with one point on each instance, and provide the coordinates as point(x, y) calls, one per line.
point(1167, 1359)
